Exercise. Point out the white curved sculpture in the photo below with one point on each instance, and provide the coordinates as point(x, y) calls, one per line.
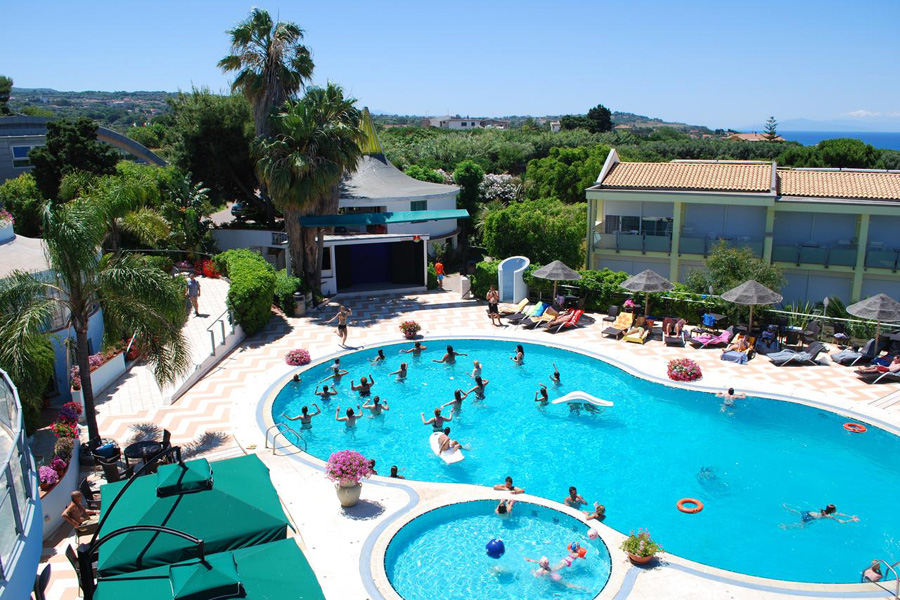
point(581, 398)
point(511, 279)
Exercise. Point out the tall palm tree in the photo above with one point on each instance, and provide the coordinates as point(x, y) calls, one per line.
point(135, 297)
point(316, 139)
point(271, 66)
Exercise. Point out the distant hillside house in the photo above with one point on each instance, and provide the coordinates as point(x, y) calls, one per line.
point(753, 137)
point(555, 126)
point(833, 231)
point(457, 122)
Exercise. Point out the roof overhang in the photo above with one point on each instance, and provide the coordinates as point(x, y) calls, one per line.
point(384, 218)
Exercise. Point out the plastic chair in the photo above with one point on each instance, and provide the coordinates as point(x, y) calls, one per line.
point(41, 581)
point(611, 313)
point(90, 495)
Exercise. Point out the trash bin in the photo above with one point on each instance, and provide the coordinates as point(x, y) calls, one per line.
point(299, 304)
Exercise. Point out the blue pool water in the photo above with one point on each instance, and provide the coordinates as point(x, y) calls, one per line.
point(656, 445)
point(442, 555)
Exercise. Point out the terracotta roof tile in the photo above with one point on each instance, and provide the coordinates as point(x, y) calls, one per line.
point(721, 177)
point(840, 184)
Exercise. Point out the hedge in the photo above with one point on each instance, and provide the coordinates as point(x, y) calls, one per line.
point(164, 263)
point(285, 286)
point(252, 287)
point(432, 277)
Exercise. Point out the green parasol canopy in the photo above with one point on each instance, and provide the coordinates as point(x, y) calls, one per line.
point(277, 570)
point(240, 509)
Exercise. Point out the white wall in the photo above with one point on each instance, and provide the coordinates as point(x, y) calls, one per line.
point(429, 228)
point(252, 239)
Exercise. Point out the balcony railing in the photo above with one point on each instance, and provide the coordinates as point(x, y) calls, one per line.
point(633, 240)
point(703, 245)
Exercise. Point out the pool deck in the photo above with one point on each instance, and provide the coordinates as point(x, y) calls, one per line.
point(343, 545)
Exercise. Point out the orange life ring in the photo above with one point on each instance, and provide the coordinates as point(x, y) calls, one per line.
point(698, 506)
point(855, 427)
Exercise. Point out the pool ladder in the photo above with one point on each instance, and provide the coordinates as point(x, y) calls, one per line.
point(896, 580)
point(283, 429)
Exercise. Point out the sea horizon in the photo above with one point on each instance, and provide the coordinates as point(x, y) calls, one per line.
point(885, 140)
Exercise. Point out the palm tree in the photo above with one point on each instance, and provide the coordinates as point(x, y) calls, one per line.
point(135, 297)
point(124, 205)
point(271, 66)
point(316, 140)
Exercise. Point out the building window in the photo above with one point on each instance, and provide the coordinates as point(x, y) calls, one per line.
point(463, 124)
point(418, 205)
point(647, 225)
point(326, 259)
point(20, 156)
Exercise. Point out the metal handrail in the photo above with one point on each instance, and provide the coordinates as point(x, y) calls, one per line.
point(890, 568)
point(221, 322)
point(283, 429)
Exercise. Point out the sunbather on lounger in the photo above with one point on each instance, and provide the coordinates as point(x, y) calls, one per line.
point(673, 326)
point(894, 367)
point(740, 344)
point(560, 319)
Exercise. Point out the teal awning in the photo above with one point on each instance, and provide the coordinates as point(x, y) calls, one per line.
point(383, 218)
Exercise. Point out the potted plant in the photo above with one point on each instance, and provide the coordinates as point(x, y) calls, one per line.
point(48, 478)
point(347, 468)
point(59, 465)
point(64, 429)
point(640, 547)
point(684, 369)
point(297, 357)
point(410, 329)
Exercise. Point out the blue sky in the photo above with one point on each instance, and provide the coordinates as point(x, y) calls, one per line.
point(706, 62)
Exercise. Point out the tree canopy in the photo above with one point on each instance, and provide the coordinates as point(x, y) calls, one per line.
point(22, 198)
point(846, 153)
point(542, 230)
point(565, 174)
point(423, 174)
point(5, 92)
point(727, 267)
point(468, 176)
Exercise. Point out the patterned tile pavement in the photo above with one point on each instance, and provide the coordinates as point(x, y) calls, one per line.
point(206, 407)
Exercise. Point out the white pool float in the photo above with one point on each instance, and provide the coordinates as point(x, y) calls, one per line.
point(581, 398)
point(448, 456)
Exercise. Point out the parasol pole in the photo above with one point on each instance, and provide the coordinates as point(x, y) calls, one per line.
point(750, 324)
point(646, 304)
point(877, 333)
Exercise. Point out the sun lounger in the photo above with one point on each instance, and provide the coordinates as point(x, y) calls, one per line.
point(793, 357)
point(550, 314)
point(570, 323)
point(886, 377)
point(675, 340)
point(638, 337)
point(511, 309)
point(707, 340)
point(535, 311)
point(849, 357)
point(622, 324)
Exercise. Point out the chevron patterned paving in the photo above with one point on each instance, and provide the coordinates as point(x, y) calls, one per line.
point(207, 406)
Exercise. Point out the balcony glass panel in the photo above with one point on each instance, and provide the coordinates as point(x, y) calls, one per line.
point(784, 253)
point(605, 241)
point(8, 533)
point(881, 259)
point(812, 255)
point(692, 245)
point(630, 241)
point(842, 256)
point(657, 243)
point(18, 481)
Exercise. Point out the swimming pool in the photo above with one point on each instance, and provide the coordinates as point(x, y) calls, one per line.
point(658, 444)
point(441, 554)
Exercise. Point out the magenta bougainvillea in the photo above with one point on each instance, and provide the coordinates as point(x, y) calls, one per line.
point(347, 466)
point(297, 357)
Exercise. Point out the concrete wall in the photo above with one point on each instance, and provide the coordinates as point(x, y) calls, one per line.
point(258, 240)
point(7, 171)
point(61, 368)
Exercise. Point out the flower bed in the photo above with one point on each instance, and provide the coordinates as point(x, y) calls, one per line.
point(684, 369)
point(297, 357)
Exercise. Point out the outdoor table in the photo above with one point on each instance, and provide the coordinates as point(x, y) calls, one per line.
point(142, 450)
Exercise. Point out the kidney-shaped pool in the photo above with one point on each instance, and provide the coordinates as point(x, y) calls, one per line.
point(756, 466)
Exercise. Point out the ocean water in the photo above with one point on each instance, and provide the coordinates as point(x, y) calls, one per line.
point(442, 555)
point(880, 139)
point(755, 466)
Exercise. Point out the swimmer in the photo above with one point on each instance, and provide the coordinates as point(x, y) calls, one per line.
point(336, 371)
point(541, 396)
point(401, 372)
point(574, 499)
point(519, 356)
point(395, 473)
point(728, 397)
point(480, 384)
point(326, 393)
point(350, 418)
point(450, 357)
point(544, 570)
point(445, 443)
point(296, 378)
point(372, 466)
point(305, 417)
point(555, 377)
point(476, 370)
point(873, 573)
point(376, 406)
point(707, 473)
point(574, 554)
point(437, 421)
point(458, 397)
point(364, 387)
point(810, 516)
point(507, 486)
point(504, 509)
point(415, 350)
point(599, 512)
point(380, 357)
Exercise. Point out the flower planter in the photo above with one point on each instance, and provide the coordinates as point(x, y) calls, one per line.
point(55, 500)
point(101, 378)
point(348, 493)
point(639, 560)
point(411, 335)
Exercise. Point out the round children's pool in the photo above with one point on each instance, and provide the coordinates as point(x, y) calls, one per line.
point(758, 467)
point(443, 554)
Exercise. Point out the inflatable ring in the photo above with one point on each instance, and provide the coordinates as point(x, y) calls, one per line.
point(698, 506)
point(855, 427)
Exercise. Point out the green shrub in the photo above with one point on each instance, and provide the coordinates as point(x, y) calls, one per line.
point(432, 277)
point(599, 288)
point(285, 286)
point(485, 276)
point(252, 287)
point(164, 263)
point(542, 230)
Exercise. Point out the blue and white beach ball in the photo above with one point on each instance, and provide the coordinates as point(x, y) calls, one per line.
point(495, 548)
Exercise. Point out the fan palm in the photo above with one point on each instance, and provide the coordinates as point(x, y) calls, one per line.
point(133, 295)
point(123, 204)
point(316, 139)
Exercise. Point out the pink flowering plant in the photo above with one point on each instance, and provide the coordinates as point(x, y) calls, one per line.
point(6, 218)
point(70, 412)
point(48, 476)
point(58, 464)
point(410, 328)
point(684, 369)
point(64, 429)
point(347, 467)
point(640, 544)
point(297, 357)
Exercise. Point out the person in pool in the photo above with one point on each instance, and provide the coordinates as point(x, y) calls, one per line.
point(365, 385)
point(599, 512)
point(401, 372)
point(810, 516)
point(555, 378)
point(728, 397)
point(476, 369)
point(336, 371)
point(305, 417)
point(296, 378)
point(480, 384)
point(575, 552)
point(350, 418)
point(437, 421)
point(458, 397)
point(450, 357)
point(541, 395)
point(326, 393)
point(544, 570)
point(380, 357)
point(504, 509)
point(445, 443)
point(574, 499)
point(873, 573)
point(415, 350)
point(372, 466)
point(519, 356)
point(507, 486)
point(395, 473)
point(376, 406)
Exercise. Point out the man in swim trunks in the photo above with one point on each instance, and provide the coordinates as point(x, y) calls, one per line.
point(364, 387)
point(728, 397)
point(376, 406)
point(810, 516)
point(574, 499)
point(445, 443)
point(493, 298)
point(305, 417)
point(439, 271)
point(342, 316)
point(437, 421)
point(416, 350)
point(350, 418)
point(507, 486)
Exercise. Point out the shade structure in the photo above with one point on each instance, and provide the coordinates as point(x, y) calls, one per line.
point(241, 509)
point(274, 570)
point(751, 293)
point(879, 307)
point(556, 271)
point(648, 282)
